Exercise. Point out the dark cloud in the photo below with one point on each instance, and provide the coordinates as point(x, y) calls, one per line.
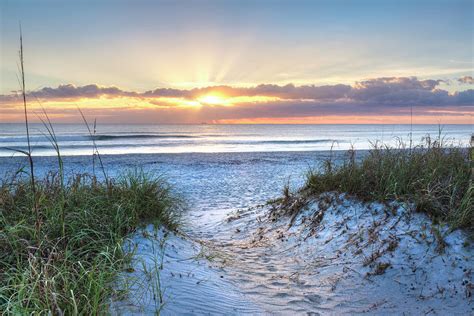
point(312, 92)
point(401, 91)
point(69, 91)
point(466, 80)
point(288, 91)
point(466, 97)
point(394, 84)
point(167, 93)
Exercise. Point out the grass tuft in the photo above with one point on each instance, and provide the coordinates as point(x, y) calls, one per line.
point(435, 176)
point(70, 269)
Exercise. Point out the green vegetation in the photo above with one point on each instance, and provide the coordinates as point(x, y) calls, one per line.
point(69, 268)
point(61, 241)
point(435, 176)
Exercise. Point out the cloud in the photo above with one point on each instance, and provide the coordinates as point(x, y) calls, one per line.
point(378, 96)
point(466, 80)
point(311, 92)
point(401, 91)
point(167, 92)
point(388, 89)
point(68, 91)
point(399, 83)
point(466, 97)
point(288, 91)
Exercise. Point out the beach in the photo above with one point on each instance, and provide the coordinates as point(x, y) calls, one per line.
point(228, 157)
point(217, 187)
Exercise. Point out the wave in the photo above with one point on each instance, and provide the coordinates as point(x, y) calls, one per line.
point(72, 138)
point(24, 148)
point(302, 141)
point(138, 136)
point(72, 145)
point(83, 146)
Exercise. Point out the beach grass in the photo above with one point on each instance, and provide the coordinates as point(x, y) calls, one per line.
point(435, 176)
point(61, 241)
point(70, 269)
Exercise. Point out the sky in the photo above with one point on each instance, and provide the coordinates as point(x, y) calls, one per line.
point(240, 61)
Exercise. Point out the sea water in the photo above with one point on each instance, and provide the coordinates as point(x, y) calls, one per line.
point(75, 139)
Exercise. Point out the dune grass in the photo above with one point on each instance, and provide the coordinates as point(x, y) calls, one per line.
point(70, 270)
point(435, 176)
point(61, 241)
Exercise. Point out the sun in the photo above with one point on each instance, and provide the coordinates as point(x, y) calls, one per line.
point(212, 100)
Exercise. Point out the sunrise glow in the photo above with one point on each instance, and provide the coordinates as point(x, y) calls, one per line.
point(236, 157)
point(212, 100)
point(185, 63)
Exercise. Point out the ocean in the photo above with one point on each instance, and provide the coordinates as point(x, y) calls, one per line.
point(74, 139)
